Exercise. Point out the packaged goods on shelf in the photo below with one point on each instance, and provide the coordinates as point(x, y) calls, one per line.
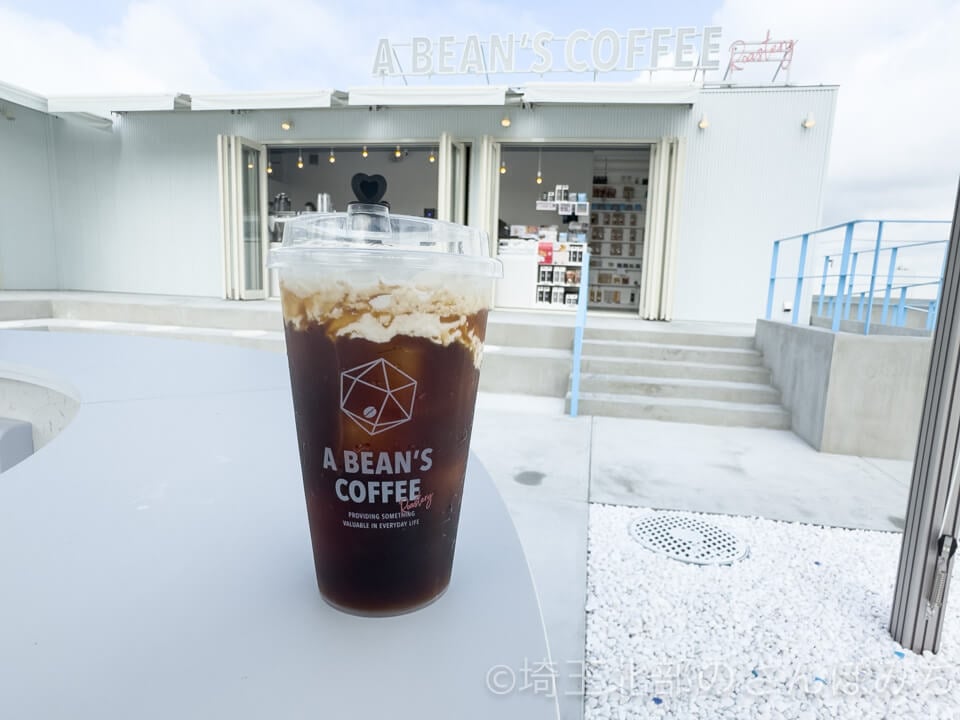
point(545, 251)
point(524, 231)
point(549, 233)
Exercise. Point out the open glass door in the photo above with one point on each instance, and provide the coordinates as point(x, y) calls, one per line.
point(243, 201)
point(488, 190)
point(661, 230)
point(452, 180)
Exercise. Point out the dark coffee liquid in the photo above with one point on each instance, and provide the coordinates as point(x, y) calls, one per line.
point(384, 432)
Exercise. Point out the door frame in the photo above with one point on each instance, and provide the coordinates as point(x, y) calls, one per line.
point(232, 172)
point(661, 230)
point(451, 179)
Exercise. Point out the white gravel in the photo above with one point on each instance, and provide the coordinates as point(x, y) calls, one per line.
point(798, 629)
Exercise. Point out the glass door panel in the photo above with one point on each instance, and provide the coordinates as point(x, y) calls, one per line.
point(252, 222)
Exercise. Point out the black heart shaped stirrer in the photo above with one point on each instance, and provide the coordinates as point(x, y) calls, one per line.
point(369, 189)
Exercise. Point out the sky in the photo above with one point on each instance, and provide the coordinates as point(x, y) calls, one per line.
point(895, 151)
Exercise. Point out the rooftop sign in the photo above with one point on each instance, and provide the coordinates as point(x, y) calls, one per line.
point(768, 50)
point(682, 48)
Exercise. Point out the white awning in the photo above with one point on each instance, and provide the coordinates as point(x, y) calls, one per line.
point(270, 100)
point(24, 98)
point(635, 93)
point(422, 95)
point(103, 105)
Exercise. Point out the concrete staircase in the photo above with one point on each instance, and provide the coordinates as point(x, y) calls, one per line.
point(679, 377)
point(670, 374)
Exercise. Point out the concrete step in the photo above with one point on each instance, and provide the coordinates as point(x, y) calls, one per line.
point(528, 335)
point(670, 337)
point(24, 309)
point(259, 339)
point(703, 412)
point(741, 392)
point(222, 315)
point(682, 353)
point(258, 315)
point(530, 371)
point(674, 369)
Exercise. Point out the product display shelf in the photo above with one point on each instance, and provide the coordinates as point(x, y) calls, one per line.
point(617, 224)
point(609, 306)
point(607, 254)
point(558, 279)
point(636, 186)
point(627, 206)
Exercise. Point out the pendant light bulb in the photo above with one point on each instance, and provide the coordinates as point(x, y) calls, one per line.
point(397, 153)
point(333, 158)
point(539, 178)
point(250, 164)
point(300, 160)
point(364, 153)
point(539, 166)
point(433, 157)
point(503, 168)
point(269, 168)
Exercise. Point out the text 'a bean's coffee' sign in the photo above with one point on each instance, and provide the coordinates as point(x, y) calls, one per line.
point(683, 48)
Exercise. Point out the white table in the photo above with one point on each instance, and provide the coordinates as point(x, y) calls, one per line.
point(155, 560)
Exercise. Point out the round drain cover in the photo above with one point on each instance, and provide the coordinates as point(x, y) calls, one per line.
point(688, 539)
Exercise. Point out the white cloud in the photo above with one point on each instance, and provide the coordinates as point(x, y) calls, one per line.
point(156, 40)
point(210, 45)
point(894, 151)
point(151, 51)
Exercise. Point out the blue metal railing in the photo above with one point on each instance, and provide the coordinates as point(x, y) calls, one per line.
point(578, 332)
point(838, 307)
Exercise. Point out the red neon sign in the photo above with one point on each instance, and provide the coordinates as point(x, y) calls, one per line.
point(766, 51)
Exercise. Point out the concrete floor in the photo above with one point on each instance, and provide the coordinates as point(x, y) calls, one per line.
point(549, 466)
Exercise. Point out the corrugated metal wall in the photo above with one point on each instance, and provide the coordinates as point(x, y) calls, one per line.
point(752, 176)
point(138, 204)
point(27, 252)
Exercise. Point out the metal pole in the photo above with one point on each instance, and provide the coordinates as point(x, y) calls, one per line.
point(933, 511)
point(873, 278)
point(801, 268)
point(886, 296)
point(902, 307)
point(860, 306)
point(853, 279)
point(842, 281)
point(823, 285)
point(578, 332)
point(773, 278)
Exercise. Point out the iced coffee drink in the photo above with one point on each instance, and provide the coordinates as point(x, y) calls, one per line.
point(384, 354)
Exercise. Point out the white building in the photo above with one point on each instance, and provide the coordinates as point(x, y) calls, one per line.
point(169, 194)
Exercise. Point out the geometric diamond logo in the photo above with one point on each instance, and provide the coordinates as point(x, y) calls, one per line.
point(377, 396)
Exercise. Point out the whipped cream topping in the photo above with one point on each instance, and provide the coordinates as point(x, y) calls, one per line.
point(380, 311)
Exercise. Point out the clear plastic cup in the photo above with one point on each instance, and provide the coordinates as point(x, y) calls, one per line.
point(385, 318)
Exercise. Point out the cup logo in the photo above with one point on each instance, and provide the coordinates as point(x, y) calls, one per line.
point(377, 396)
